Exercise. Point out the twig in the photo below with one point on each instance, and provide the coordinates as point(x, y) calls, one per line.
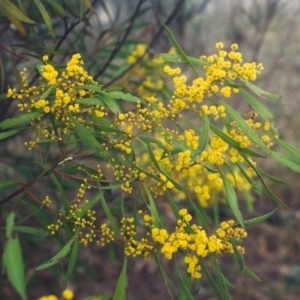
point(13, 53)
point(151, 44)
point(122, 41)
point(34, 180)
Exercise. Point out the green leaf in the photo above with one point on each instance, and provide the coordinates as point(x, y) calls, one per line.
point(245, 127)
point(175, 210)
point(4, 135)
point(32, 230)
point(91, 101)
point(211, 281)
point(89, 5)
point(185, 293)
point(122, 283)
point(177, 58)
point(259, 91)
point(12, 259)
point(59, 256)
point(91, 87)
point(201, 216)
point(179, 49)
point(251, 274)
point(238, 256)
point(273, 178)
point(269, 192)
point(108, 213)
point(17, 74)
point(204, 137)
point(60, 188)
point(232, 200)
point(8, 8)
point(286, 161)
point(227, 282)
point(10, 225)
point(104, 128)
point(57, 7)
point(40, 69)
point(19, 120)
point(112, 88)
point(257, 188)
point(294, 152)
point(153, 140)
point(45, 16)
point(173, 206)
point(87, 138)
point(3, 96)
point(152, 207)
point(258, 106)
point(17, 23)
point(260, 218)
point(9, 183)
point(110, 102)
point(46, 93)
point(220, 278)
point(14, 265)
point(125, 96)
point(73, 259)
point(167, 280)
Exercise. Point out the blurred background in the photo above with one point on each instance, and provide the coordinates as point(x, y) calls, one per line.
point(267, 31)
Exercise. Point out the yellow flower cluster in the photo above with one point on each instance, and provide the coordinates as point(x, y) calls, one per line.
point(189, 238)
point(85, 224)
point(60, 98)
point(221, 68)
point(194, 241)
point(66, 295)
point(49, 73)
point(47, 201)
point(139, 51)
point(192, 139)
point(261, 128)
point(134, 247)
point(149, 145)
point(107, 234)
point(65, 89)
point(171, 71)
point(216, 112)
point(202, 176)
point(186, 98)
point(57, 93)
point(219, 71)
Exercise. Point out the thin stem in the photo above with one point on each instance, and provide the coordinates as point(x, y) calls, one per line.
point(122, 41)
point(151, 44)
